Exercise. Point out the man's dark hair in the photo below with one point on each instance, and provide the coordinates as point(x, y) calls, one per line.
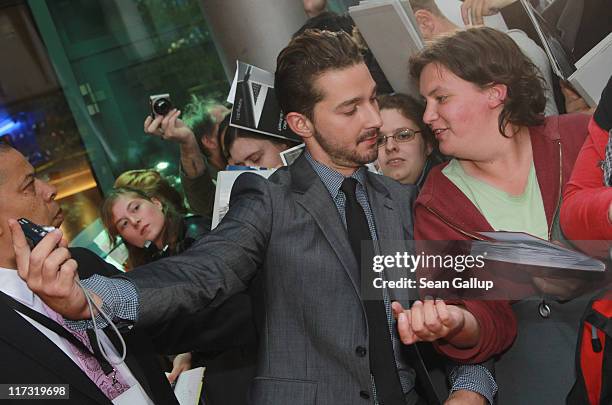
point(306, 58)
point(328, 21)
point(411, 109)
point(484, 56)
point(198, 116)
point(4, 147)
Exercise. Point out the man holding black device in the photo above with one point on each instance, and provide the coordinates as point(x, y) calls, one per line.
point(35, 347)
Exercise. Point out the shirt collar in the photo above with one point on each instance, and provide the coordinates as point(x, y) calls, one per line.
point(12, 285)
point(331, 178)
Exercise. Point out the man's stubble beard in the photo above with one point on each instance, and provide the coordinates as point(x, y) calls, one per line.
point(344, 157)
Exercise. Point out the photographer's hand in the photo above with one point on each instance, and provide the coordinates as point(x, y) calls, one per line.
point(170, 127)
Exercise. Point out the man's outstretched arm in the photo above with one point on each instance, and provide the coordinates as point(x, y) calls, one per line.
point(216, 267)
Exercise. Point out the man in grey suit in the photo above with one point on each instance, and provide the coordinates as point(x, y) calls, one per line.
point(317, 335)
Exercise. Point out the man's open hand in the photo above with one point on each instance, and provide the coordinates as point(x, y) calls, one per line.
point(427, 321)
point(430, 320)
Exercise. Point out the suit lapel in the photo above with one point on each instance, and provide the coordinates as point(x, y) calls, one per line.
point(383, 209)
point(25, 338)
point(315, 198)
point(392, 231)
point(386, 217)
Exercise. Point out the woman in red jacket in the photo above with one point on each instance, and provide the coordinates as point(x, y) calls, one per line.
point(485, 106)
point(586, 212)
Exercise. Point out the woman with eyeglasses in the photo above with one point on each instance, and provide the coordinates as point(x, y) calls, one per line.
point(407, 149)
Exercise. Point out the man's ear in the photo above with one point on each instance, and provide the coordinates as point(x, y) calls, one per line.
point(300, 124)
point(426, 23)
point(497, 94)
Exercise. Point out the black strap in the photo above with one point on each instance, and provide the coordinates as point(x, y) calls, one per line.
point(600, 322)
point(60, 330)
point(382, 359)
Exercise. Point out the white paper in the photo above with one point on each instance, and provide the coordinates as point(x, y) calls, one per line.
point(133, 396)
point(288, 156)
point(232, 93)
point(393, 45)
point(593, 72)
point(188, 386)
point(225, 182)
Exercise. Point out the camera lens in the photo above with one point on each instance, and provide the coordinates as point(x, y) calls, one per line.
point(162, 106)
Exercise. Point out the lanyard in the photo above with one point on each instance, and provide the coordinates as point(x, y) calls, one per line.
point(61, 331)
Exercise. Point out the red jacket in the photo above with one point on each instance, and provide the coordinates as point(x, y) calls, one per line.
point(443, 212)
point(586, 200)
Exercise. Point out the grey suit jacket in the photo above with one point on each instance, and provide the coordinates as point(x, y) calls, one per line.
point(288, 233)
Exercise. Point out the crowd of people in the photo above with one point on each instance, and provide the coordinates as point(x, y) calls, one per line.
point(271, 300)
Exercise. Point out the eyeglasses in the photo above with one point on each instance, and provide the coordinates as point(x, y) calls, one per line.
point(401, 135)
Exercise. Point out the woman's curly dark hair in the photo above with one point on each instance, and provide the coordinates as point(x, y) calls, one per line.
point(485, 57)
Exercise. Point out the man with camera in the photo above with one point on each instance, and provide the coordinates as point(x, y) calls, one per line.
point(199, 136)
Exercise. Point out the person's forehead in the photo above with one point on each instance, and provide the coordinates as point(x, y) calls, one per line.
point(436, 75)
point(245, 146)
point(393, 118)
point(13, 165)
point(121, 203)
point(338, 85)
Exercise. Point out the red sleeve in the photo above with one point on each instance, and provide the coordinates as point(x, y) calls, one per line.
point(497, 332)
point(496, 319)
point(428, 226)
point(586, 200)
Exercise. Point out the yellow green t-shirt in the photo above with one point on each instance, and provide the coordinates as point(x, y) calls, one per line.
point(505, 212)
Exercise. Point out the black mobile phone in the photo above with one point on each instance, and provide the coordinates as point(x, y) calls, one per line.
point(34, 233)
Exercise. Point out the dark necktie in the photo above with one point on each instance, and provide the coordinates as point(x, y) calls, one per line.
point(382, 360)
